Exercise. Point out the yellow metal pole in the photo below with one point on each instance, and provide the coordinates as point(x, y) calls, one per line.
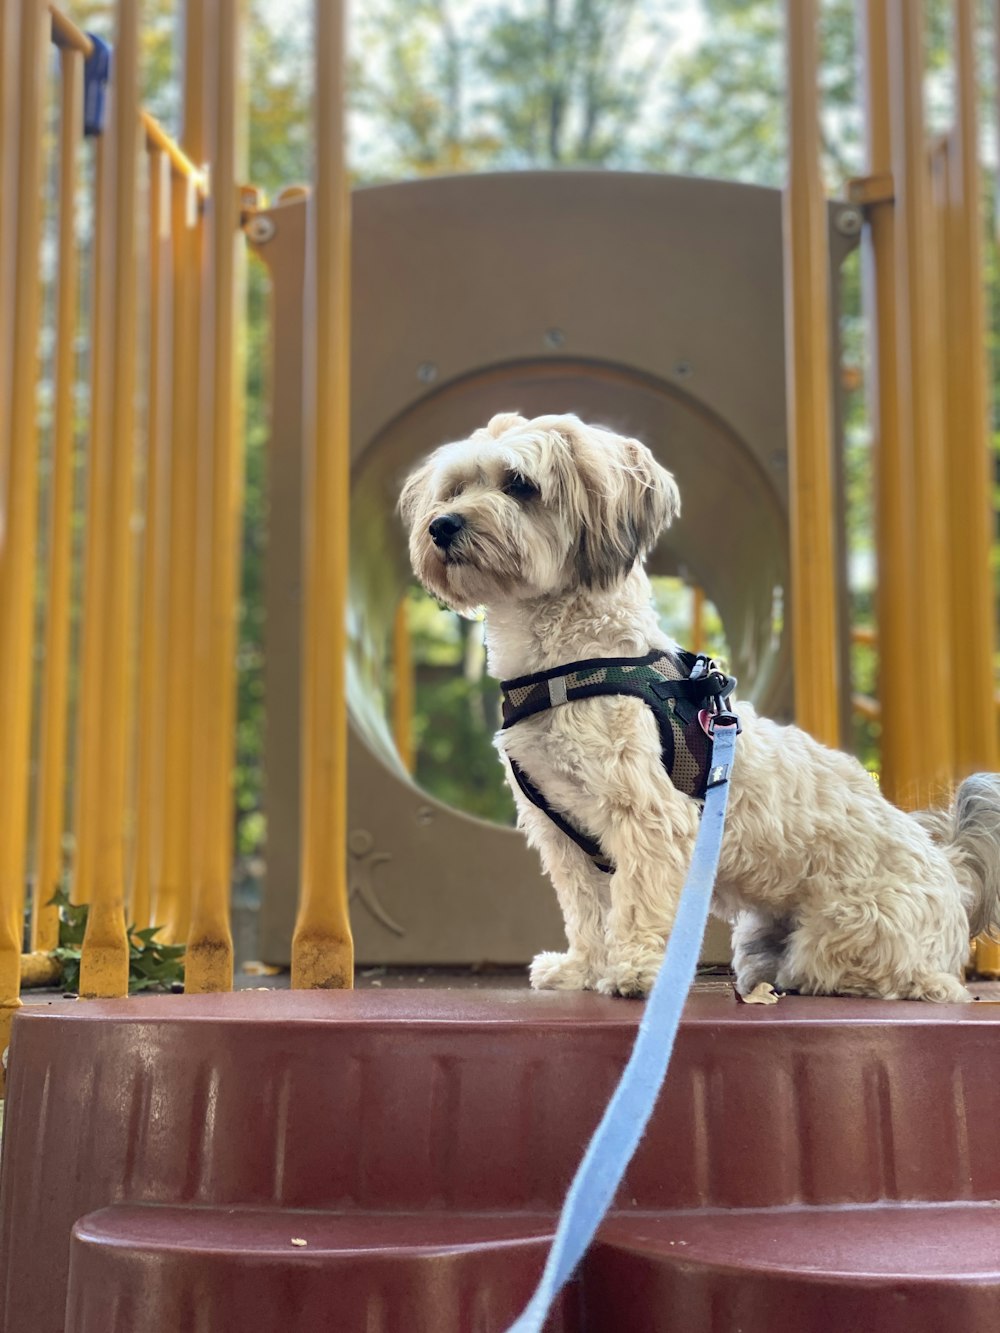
point(51, 799)
point(22, 128)
point(10, 19)
point(171, 897)
point(148, 851)
point(209, 962)
point(973, 605)
point(970, 456)
point(196, 139)
point(986, 952)
point(897, 590)
point(104, 964)
point(322, 946)
point(402, 695)
point(96, 537)
point(807, 342)
point(920, 392)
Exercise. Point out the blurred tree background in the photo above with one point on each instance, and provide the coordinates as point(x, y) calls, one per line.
point(695, 86)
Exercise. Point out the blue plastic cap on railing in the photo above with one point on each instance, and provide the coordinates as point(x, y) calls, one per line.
point(96, 73)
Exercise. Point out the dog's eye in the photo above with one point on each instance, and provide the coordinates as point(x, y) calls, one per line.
point(520, 488)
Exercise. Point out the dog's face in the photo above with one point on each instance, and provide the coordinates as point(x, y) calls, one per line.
point(533, 508)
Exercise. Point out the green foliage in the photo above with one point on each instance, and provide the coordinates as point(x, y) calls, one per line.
point(153, 965)
point(441, 86)
point(456, 712)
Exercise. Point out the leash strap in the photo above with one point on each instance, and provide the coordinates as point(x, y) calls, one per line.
point(627, 1114)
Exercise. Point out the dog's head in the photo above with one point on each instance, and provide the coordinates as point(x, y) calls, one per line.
point(533, 508)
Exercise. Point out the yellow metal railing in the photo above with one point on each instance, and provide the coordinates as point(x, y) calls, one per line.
point(166, 284)
point(933, 519)
point(24, 39)
point(924, 301)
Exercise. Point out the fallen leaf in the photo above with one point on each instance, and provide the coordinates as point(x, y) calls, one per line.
point(256, 969)
point(763, 993)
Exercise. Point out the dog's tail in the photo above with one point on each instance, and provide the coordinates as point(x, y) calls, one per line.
point(970, 833)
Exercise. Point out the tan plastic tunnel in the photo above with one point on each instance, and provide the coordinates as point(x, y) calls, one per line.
point(649, 303)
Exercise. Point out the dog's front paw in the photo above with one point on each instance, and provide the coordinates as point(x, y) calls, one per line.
point(631, 976)
point(560, 971)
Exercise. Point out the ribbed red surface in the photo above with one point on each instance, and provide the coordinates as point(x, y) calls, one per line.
point(393, 1122)
point(146, 1268)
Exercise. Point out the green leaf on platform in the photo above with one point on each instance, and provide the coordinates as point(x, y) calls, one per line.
point(153, 965)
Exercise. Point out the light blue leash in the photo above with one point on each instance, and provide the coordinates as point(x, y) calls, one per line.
point(624, 1121)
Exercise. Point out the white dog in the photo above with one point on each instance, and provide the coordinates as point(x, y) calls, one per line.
point(830, 889)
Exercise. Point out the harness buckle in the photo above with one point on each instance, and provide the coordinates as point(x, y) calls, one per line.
point(722, 717)
point(715, 682)
point(715, 712)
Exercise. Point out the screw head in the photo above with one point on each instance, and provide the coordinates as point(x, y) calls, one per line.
point(554, 338)
point(848, 221)
point(260, 229)
point(683, 370)
point(427, 372)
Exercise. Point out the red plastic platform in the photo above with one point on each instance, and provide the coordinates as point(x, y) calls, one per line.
point(818, 1165)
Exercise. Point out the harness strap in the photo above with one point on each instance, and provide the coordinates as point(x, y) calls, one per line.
point(703, 688)
point(627, 1115)
point(589, 845)
point(524, 696)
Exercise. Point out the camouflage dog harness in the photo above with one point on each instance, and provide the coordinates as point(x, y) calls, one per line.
point(684, 690)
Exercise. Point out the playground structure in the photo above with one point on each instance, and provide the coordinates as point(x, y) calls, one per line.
point(717, 397)
point(708, 392)
point(698, 371)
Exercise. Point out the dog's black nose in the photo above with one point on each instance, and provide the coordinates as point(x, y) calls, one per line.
point(445, 528)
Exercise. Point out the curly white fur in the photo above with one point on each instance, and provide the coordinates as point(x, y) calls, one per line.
point(830, 889)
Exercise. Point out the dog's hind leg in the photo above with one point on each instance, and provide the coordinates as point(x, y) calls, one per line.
point(759, 944)
point(887, 946)
point(938, 987)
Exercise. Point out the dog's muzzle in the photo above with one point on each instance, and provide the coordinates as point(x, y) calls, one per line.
point(445, 528)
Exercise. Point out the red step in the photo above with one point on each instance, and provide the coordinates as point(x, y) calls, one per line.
point(898, 1269)
point(184, 1270)
point(449, 1105)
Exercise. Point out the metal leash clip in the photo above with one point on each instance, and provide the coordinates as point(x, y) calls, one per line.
point(720, 715)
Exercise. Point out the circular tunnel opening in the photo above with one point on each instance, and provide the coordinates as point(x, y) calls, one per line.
point(409, 659)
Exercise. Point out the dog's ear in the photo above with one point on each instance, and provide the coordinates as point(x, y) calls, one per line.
point(413, 490)
point(655, 500)
point(632, 499)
